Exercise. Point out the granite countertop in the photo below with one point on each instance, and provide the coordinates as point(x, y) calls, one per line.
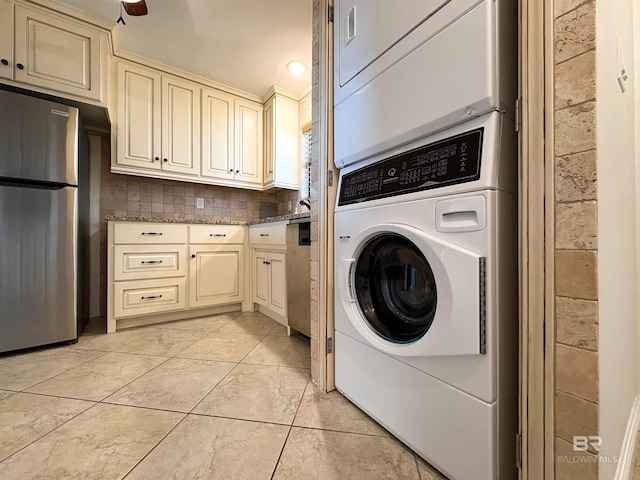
point(126, 218)
point(291, 216)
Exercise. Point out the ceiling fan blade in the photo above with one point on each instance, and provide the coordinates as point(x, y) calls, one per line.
point(136, 9)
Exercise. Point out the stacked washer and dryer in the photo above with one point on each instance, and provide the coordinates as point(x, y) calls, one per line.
point(426, 318)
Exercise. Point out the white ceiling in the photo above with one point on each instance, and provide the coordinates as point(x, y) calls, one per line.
point(245, 44)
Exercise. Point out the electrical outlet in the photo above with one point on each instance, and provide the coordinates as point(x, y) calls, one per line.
point(199, 202)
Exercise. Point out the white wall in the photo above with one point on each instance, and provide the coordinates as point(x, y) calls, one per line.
point(617, 283)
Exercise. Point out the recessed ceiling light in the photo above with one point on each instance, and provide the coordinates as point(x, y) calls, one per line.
point(296, 67)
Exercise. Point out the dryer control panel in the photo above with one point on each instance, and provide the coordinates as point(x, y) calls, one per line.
point(446, 162)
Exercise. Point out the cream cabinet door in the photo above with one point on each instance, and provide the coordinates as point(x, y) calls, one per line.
point(217, 134)
point(248, 144)
point(277, 283)
point(215, 275)
point(139, 117)
point(281, 139)
point(260, 278)
point(269, 154)
point(180, 126)
point(6, 39)
point(57, 54)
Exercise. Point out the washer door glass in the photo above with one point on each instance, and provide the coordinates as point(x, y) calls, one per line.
point(395, 288)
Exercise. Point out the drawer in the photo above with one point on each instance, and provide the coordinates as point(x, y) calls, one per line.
point(216, 234)
point(149, 233)
point(133, 262)
point(149, 296)
point(273, 234)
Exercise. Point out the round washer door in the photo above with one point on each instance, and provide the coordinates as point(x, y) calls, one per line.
point(395, 288)
point(410, 293)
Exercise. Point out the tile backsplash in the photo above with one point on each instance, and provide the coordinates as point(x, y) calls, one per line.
point(148, 197)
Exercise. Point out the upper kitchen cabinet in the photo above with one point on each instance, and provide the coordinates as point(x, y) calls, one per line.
point(281, 149)
point(52, 53)
point(231, 139)
point(6, 39)
point(158, 125)
point(180, 126)
point(248, 136)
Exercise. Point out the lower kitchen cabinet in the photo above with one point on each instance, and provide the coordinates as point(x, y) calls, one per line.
point(269, 269)
point(270, 280)
point(167, 271)
point(215, 275)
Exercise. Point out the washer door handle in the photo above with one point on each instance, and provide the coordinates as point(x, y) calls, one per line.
point(349, 264)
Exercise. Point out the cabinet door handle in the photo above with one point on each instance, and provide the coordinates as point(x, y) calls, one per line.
point(166, 160)
point(151, 261)
point(20, 66)
point(151, 297)
point(193, 255)
point(152, 233)
point(264, 262)
point(157, 159)
point(231, 170)
point(237, 171)
point(4, 61)
point(264, 234)
point(270, 171)
point(217, 234)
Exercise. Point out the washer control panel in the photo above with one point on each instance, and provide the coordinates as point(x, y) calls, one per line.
point(446, 162)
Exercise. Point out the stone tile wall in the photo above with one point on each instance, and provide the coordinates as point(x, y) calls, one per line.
point(576, 242)
point(149, 197)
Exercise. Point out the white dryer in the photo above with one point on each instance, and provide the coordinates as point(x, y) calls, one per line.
point(407, 69)
point(426, 297)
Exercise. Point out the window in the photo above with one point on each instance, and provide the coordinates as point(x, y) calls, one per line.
point(305, 181)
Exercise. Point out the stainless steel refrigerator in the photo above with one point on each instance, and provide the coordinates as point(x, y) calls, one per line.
point(39, 153)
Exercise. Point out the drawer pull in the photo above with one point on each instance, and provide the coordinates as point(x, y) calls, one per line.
point(152, 233)
point(151, 261)
point(264, 262)
point(264, 234)
point(217, 234)
point(151, 297)
point(345, 237)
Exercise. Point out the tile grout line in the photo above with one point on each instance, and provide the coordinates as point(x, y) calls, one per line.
point(65, 371)
point(155, 446)
point(275, 468)
point(415, 459)
point(50, 431)
point(212, 389)
point(152, 369)
point(229, 373)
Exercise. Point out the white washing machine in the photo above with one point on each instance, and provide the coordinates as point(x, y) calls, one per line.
point(426, 296)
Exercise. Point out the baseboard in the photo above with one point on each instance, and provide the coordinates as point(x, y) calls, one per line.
point(626, 455)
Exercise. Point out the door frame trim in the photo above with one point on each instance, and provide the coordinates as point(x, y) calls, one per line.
point(326, 202)
point(536, 232)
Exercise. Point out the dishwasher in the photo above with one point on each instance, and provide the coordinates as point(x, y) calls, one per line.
point(299, 276)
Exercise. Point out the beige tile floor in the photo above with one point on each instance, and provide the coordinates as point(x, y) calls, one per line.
point(223, 397)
